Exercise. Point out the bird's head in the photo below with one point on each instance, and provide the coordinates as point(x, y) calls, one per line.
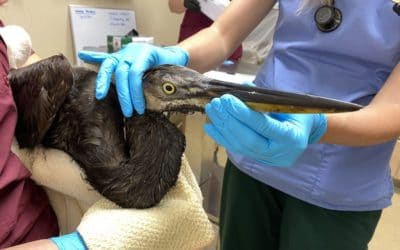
point(175, 88)
point(180, 89)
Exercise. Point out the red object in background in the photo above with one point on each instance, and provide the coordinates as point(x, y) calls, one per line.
point(193, 22)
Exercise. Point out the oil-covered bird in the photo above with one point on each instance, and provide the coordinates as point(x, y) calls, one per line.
point(132, 162)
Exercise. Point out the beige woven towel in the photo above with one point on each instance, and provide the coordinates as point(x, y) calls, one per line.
point(178, 222)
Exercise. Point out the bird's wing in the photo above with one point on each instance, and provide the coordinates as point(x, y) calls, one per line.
point(39, 91)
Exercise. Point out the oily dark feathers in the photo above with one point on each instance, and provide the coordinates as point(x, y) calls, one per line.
point(39, 91)
point(151, 168)
point(132, 162)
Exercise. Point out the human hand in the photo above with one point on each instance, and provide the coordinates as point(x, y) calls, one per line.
point(129, 64)
point(193, 5)
point(274, 139)
point(69, 241)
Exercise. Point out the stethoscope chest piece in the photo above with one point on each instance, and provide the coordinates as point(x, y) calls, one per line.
point(328, 18)
point(396, 8)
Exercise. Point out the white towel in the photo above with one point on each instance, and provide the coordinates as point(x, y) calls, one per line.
point(19, 44)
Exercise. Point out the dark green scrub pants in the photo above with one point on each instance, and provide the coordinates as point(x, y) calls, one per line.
point(256, 216)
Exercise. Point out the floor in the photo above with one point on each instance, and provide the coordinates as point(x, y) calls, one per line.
point(387, 234)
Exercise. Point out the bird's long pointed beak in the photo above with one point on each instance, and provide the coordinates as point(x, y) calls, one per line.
point(264, 100)
point(176, 88)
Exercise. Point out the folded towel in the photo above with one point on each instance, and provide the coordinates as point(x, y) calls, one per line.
point(178, 222)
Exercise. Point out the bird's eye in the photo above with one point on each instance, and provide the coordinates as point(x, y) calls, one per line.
point(168, 88)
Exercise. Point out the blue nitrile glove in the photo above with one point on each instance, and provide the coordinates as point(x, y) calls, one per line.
point(69, 241)
point(273, 139)
point(129, 64)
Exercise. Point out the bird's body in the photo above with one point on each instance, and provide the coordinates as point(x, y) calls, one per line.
point(132, 169)
point(135, 161)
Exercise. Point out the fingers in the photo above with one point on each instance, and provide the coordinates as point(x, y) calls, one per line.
point(249, 83)
point(142, 62)
point(128, 75)
point(232, 134)
point(263, 124)
point(217, 114)
point(108, 65)
point(128, 80)
point(104, 76)
point(213, 132)
point(122, 85)
point(130, 63)
point(129, 87)
point(135, 85)
point(92, 57)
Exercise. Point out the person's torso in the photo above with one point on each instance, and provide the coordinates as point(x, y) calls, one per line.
point(25, 214)
point(350, 63)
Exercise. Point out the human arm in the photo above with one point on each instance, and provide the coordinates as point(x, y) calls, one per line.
point(205, 50)
point(211, 46)
point(64, 242)
point(270, 138)
point(279, 140)
point(378, 122)
point(35, 245)
point(177, 6)
point(208, 48)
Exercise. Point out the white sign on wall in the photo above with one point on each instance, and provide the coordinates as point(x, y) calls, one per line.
point(90, 26)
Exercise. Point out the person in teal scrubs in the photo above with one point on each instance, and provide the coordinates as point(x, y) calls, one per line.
point(293, 181)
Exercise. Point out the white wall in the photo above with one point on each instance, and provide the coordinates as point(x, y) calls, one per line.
point(47, 21)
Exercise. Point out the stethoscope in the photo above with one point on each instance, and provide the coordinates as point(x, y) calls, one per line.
point(396, 6)
point(328, 17)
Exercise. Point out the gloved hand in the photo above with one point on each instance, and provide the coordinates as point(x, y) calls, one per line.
point(69, 241)
point(274, 139)
point(129, 64)
point(192, 5)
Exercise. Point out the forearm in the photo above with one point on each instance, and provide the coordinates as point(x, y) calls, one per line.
point(204, 58)
point(374, 124)
point(35, 245)
point(209, 47)
point(176, 6)
point(369, 126)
